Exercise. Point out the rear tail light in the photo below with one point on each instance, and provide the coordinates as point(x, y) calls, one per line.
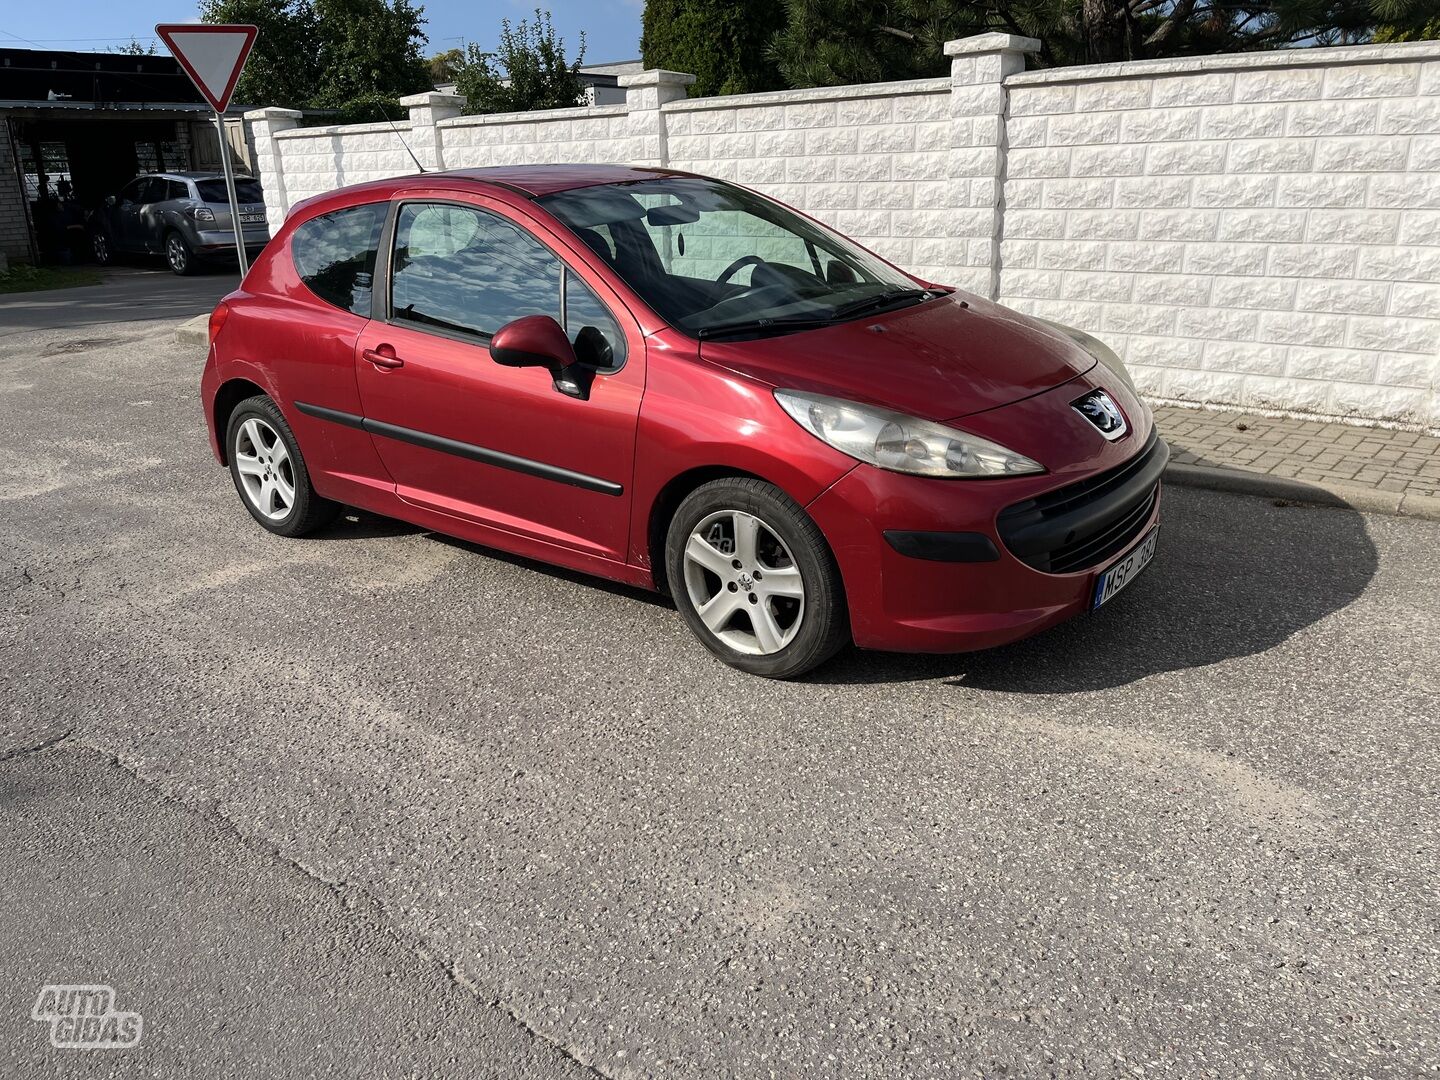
point(217, 319)
point(201, 213)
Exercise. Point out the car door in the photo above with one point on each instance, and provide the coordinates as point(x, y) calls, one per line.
point(464, 436)
point(125, 216)
point(150, 215)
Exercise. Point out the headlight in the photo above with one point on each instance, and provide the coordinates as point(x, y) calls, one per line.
point(1096, 348)
point(890, 440)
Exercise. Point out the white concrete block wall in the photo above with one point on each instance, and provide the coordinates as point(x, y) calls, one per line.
point(1258, 230)
point(1243, 231)
point(872, 161)
point(321, 159)
point(599, 134)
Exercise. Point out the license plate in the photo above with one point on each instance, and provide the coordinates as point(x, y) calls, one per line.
point(1125, 569)
point(251, 219)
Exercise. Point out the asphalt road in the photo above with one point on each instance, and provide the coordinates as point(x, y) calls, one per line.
point(137, 292)
point(380, 803)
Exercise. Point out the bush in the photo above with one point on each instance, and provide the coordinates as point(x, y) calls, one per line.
point(528, 71)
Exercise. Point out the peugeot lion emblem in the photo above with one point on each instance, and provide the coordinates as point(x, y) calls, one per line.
point(1100, 409)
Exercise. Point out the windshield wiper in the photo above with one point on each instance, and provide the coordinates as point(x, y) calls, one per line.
point(751, 326)
point(865, 303)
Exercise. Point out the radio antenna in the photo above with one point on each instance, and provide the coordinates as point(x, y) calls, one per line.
point(403, 143)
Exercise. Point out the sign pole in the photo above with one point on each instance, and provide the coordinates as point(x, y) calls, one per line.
point(236, 225)
point(213, 55)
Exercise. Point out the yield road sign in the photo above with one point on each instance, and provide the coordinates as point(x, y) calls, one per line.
point(211, 54)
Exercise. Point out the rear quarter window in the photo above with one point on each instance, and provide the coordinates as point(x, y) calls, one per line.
point(335, 255)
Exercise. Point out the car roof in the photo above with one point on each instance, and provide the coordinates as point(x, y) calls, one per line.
point(537, 180)
point(195, 175)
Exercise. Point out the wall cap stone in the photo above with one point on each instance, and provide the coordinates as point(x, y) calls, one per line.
point(1406, 51)
point(656, 77)
point(434, 98)
point(342, 129)
point(273, 112)
point(987, 43)
point(811, 94)
point(535, 116)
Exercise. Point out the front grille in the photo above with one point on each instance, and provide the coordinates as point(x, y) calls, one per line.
point(1081, 525)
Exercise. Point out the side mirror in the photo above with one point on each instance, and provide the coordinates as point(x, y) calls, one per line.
point(538, 341)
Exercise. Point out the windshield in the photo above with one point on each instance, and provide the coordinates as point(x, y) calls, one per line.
point(213, 191)
point(711, 258)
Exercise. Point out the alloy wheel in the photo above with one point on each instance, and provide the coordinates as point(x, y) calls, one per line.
point(744, 583)
point(177, 254)
point(267, 474)
point(101, 247)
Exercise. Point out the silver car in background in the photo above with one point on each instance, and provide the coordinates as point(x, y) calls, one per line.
point(184, 216)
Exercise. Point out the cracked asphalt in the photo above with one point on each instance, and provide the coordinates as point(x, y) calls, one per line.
point(380, 803)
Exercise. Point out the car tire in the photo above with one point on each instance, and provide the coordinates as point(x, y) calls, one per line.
point(269, 472)
point(178, 255)
point(101, 250)
point(754, 578)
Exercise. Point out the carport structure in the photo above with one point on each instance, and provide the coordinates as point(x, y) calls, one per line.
point(77, 126)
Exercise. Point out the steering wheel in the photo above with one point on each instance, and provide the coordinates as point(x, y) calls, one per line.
point(737, 265)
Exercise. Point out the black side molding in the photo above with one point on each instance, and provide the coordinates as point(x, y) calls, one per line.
point(469, 451)
point(943, 546)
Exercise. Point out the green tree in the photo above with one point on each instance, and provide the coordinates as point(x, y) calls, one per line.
point(832, 42)
point(357, 56)
point(282, 68)
point(368, 49)
point(443, 65)
point(723, 43)
point(528, 70)
point(134, 47)
point(1407, 20)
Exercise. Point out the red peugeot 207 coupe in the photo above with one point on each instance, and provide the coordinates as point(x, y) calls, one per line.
point(678, 383)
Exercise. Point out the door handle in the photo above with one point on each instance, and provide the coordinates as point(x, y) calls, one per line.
point(383, 356)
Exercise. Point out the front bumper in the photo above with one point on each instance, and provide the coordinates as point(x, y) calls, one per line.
point(927, 566)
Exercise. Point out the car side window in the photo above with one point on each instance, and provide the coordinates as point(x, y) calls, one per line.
point(335, 255)
point(590, 327)
point(130, 193)
point(463, 269)
point(176, 189)
point(152, 190)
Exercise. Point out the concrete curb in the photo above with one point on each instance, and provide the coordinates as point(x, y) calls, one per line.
point(194, 331)
point(1366, 500)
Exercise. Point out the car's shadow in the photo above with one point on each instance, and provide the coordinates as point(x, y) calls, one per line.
point(1235, 575)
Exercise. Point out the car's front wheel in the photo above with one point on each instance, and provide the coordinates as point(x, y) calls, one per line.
point(754, 579)
point(178, 254)
point(269, 472)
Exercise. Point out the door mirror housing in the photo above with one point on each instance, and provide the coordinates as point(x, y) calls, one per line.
point(538, 341)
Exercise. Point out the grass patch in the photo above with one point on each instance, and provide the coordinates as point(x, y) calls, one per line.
point(35, 278)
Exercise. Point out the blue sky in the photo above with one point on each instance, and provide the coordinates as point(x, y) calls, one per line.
point(612, 27)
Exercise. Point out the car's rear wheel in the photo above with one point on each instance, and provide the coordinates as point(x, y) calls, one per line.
point(178, 254)
point(100, 248)
point(754, 579)
point(270, 473)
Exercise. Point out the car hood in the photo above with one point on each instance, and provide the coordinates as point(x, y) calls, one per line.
point(939, 360)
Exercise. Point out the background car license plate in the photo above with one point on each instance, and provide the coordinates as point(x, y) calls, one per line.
point(251, 219)
point(1126, 568)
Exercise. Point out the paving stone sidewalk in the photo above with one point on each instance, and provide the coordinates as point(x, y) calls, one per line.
point(1335, 455)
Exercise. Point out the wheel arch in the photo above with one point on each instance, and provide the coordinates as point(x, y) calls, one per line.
point(662, 510)
point(230, 394)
